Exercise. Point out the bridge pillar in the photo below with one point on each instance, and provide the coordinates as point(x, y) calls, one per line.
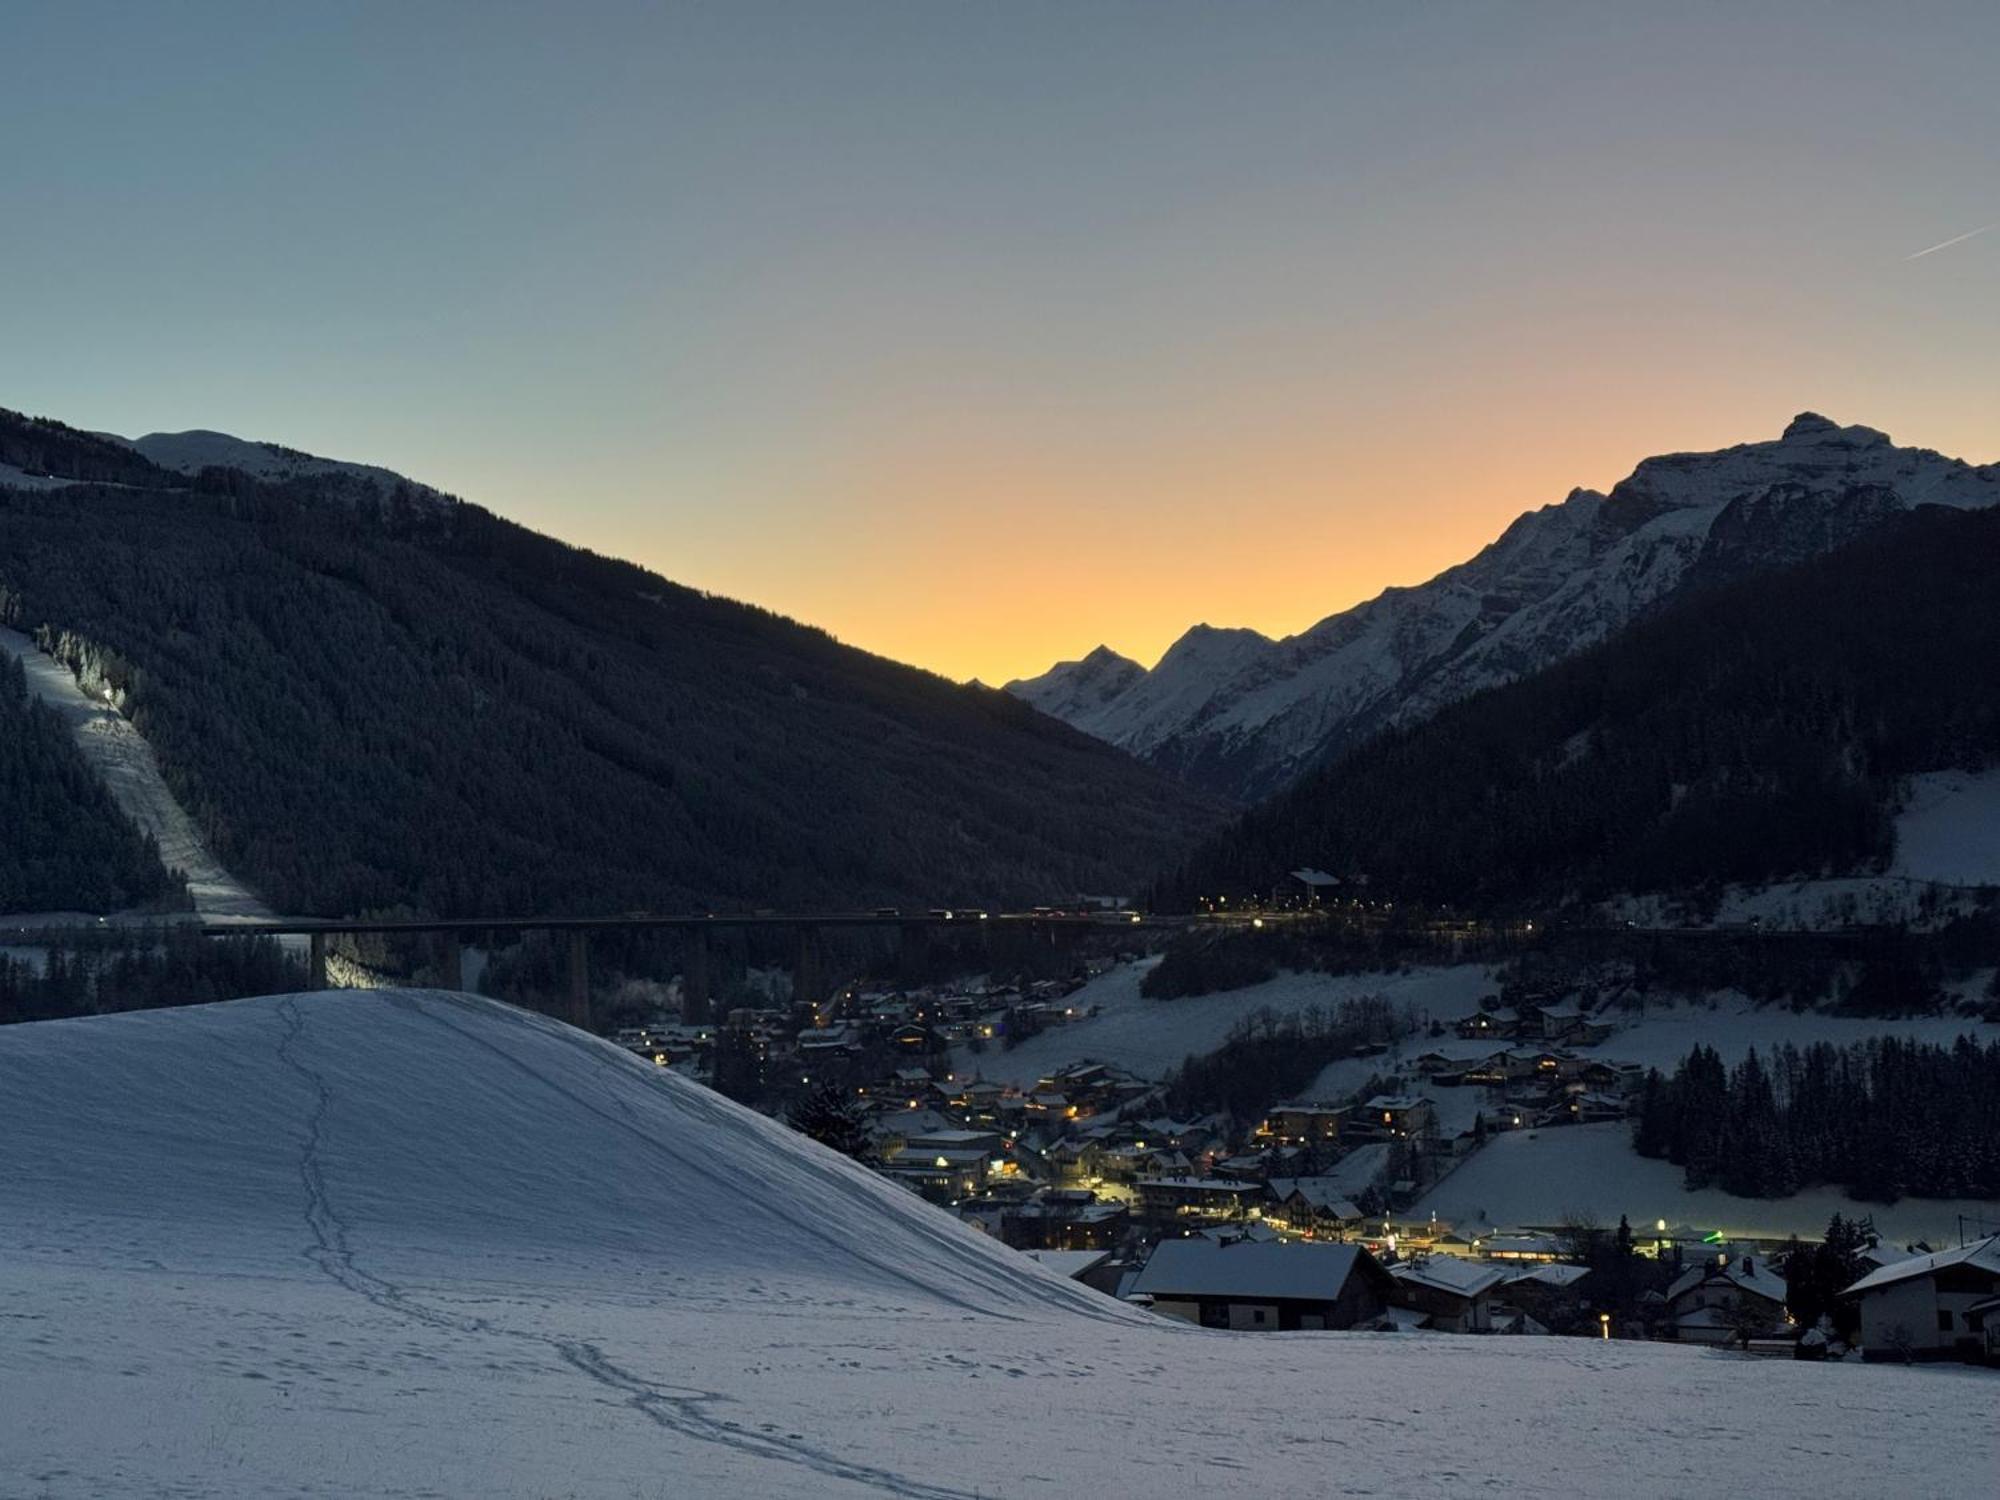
point(694, 980)
point(316, 961)
point(449, 961)
point(806, 979)
point(579, 978)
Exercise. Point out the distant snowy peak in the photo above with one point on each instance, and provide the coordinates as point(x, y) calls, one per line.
point(1244, 714)
point(1074, 691)
point(191, 452)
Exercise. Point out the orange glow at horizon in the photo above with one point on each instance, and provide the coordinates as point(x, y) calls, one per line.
point(975, 560)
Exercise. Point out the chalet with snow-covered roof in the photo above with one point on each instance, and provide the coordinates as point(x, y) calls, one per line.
point(1934, 1306)
point(1257, 1284)
point(1396, 1116)
point(1727, 1299)
point(1313, 1205)
point(1302, 1124)
point(1487, 1024)
point(1451, 1294)
point(1199, 1198)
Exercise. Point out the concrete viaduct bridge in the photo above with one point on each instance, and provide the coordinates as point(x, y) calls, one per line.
point(447, 938)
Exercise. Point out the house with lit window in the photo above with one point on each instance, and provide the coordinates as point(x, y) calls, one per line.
point(1302, 1124)
point(1396, 1116)
point(1210, 1199)
point(1313, 1205)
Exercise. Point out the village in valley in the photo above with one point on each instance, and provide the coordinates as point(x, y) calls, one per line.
point(1310, 1216)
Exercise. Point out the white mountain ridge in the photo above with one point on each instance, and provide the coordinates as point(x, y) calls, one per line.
point(1243, 713)
point(191, 452)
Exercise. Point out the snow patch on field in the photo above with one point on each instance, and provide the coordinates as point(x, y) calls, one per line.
point(1152, 1037)
point(1949, 830)
point(1947, 849)
point(1732, 1024)
point(406, 1242)
point(126, 763)
point(1538, 1177)
point(21, 479)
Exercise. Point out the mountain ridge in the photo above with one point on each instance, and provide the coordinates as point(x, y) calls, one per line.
point(1245, 714)
point(366, 703)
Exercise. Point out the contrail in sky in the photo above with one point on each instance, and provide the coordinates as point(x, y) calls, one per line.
point(1957, 239)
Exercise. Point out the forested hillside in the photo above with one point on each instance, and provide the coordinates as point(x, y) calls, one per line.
point(1754, 731)
point(64, 845)
point(370, 704)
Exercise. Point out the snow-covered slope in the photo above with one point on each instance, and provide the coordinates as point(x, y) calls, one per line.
point(409, 1243)
point(191, 452)
point(1243, 713)
point(126, 763)
point(1153, 1037)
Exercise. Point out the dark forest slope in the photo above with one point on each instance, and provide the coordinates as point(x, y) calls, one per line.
point(64, 845)
point(1757, 730)
point(368, 703)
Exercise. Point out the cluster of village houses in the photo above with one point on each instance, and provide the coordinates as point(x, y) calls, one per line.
point(1293, 1223)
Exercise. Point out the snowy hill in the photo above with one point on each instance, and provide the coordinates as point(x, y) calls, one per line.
point(191, 452)
point(1240, 712)
point(409, 1243)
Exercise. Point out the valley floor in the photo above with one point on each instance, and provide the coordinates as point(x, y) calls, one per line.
point(413, 1244)
point(1540, 1175)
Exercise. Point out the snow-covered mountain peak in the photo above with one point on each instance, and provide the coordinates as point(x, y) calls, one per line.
point(1812, 428)
point(197, 449)
point(1243, 714)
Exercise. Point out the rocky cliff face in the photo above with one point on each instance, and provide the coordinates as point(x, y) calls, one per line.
point(1241, 713)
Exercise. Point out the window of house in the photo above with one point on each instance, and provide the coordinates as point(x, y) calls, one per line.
point(1944, 1320)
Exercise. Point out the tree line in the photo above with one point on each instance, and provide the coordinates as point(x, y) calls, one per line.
point(365, 702)
point(1884, 1119)
point(64, 844)
point(1756, 730)
point(91, 972)
point(1269, 1057)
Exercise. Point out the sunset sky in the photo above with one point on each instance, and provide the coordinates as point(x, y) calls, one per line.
point(981, 334)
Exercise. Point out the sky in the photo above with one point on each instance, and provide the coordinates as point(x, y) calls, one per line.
point(980, 334)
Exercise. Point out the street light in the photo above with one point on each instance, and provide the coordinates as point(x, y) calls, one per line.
point(1604, 1325)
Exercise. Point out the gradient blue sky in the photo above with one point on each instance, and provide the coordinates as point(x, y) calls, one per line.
point(982, 333)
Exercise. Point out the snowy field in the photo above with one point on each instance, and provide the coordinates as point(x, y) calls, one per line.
point(126, 764)
point(1947, 849)
point(394, 1243)
point(1152, 1037)
point(1949, 830)
point(1538, 1177)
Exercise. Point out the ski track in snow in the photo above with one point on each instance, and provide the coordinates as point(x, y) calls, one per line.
point(678, 1410)
point(129, 769)
point(416, 1244)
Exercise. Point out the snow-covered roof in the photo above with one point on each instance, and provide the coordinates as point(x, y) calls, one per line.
point(1249, 1268)
point(1448, 1273)
point(1071, 1263)
point(1749, 1272)
point(1312, 877)
point(1396, 1101)
point(1982, 1254)
point(1550, 1275)
point(1321, 1192)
